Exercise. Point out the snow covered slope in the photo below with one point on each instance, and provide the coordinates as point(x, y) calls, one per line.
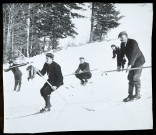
point(103, 94)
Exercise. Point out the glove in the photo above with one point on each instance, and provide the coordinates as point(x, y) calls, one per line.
point(128, 68)
point(118, 68)
point(54, 88)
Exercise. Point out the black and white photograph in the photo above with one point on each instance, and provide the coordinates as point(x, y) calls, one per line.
point(77, 67)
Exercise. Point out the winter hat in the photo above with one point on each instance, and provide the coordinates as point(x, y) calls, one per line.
point(81, 58)
point(50, 55)
point(113, 45)
point(122, 33)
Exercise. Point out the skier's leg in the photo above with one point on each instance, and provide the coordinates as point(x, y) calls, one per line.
point(79, 76)
point(137, 82)
point(42, 92)
point(19, 83)
point(137, 90)
point(86, 76)
point(16, 83)
point(130, 87)
point(46, 91)
point(130, 92)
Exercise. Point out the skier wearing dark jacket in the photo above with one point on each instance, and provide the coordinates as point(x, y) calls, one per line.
point(17, 74)
point(83, 72)
point(55, 78)
point(130, 48)
point(120, 61)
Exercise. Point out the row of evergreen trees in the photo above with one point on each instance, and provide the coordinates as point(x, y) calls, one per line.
point(24, 24)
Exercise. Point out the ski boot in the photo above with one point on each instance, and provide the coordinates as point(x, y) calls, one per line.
point(45, 109)
point(130, 91)
point(82, 82)
point(129, 98)
point(137, 92)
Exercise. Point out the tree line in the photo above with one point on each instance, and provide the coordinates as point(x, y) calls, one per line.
point(24, 24)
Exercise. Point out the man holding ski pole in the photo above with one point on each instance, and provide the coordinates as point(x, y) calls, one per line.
point(55, 78)
point(130, 48)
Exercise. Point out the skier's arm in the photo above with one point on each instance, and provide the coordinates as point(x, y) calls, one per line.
point(11, 67)
point(6, 70)
point(114, 54)
point(23, 64)
point(78, 69)
point(43, 71)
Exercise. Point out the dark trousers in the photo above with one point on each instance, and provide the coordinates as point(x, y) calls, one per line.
point(83, 76)
point(134, 76)
point(46, 90)
point(18, 81)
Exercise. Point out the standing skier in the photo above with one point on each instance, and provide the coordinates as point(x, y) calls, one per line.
point(17, 73)
point(83, 72)
point(55, 78)
point(120, 61)
point(136, 59)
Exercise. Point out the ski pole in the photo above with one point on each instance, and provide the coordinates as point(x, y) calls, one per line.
point(20, 65)
point(52, 86)
point(125, 69)
point(80, 73)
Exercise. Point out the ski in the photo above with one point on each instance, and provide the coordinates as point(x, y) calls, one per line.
point(27, 115)
point(24, 115)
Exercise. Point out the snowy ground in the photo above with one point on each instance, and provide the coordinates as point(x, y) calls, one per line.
point(104, 94)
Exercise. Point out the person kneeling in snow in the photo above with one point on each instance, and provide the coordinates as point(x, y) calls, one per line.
point(83, 72)
point(17, 73)
point(55, 78)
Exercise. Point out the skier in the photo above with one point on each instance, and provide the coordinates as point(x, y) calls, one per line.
point(83, 72)
point(17, 73)
point(55, 78)
point(136, 59)
point(120, 62)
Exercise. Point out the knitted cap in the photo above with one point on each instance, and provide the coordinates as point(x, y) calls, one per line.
point(81, 58)
point(122, 33)
point(50, 55)
point(113, 45)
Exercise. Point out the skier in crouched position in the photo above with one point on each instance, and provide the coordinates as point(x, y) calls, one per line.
point(83, 72)
point(130, 48)
point(55, 78)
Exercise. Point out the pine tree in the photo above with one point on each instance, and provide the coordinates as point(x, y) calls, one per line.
point(25, 24)
point(106, 17)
